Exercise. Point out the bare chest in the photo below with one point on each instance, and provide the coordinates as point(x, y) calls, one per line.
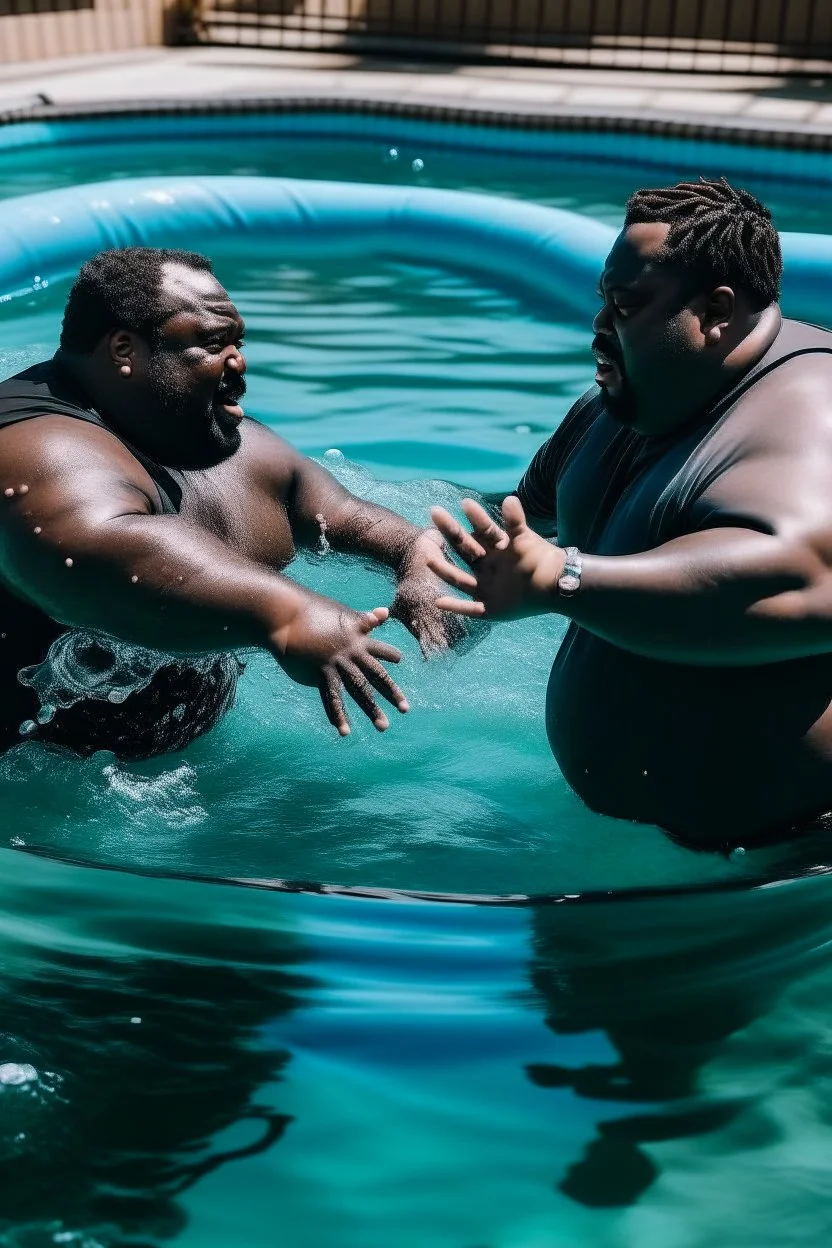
point(236, 508)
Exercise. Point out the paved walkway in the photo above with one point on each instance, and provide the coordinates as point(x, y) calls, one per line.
point(771, 103)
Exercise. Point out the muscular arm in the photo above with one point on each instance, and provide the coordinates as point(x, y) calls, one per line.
point(84, 543)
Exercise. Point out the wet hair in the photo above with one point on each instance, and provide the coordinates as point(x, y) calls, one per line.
point(122, 289)
point(720, 233)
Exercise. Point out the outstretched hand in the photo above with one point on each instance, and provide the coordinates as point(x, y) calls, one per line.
point(415, 603)
point(514, 571)
point(331, 646)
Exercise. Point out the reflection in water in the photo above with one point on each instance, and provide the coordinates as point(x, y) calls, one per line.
point(140, 1063)
point(668, 982)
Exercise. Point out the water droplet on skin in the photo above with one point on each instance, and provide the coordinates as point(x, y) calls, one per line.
point(23, 489)
point(68, 562)
point(9, 492)
point(418, 165)
point(134, 580)
point(38, 529)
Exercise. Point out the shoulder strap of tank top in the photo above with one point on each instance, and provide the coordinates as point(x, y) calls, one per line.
point(795, 338)
point(46, 390)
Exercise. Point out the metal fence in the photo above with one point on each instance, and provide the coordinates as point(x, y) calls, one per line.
point(740, 36)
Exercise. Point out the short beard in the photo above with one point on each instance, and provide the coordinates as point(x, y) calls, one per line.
point(217, 442)
point(621, 407)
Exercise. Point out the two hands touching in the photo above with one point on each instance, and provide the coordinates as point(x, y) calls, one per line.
point(328, 645)
point(513, 572)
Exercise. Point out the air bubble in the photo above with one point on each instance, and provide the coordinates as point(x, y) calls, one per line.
point(333, 453)
point(27, 727)
point(418, 165)
point(392, 154)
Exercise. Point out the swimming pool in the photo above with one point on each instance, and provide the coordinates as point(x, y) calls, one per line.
point(192, 1061)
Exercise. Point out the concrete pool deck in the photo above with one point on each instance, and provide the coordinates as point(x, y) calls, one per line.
point(797, 110)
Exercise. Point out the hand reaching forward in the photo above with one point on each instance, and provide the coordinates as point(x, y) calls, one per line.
point(331, 646)
point(415, 603)
point(514, 571)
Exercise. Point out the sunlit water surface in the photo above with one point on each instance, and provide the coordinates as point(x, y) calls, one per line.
point(199, 1063)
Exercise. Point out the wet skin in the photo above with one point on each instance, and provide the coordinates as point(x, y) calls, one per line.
point(694, 687)
point(83, 539)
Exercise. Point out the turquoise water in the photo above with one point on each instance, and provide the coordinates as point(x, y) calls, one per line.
point(193, 1062)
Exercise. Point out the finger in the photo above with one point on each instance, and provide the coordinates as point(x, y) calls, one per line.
point(329, 687)
point(373, 618)
point(514, 516)
point(460, 606)
point(453, 575)
point(385, 685)
point(359, 688)
point(486, 529)
point(453, 532)
point(381, 650)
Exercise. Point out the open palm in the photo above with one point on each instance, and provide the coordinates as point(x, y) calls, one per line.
point(513, 571)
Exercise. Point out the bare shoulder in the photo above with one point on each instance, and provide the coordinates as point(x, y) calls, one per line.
point(60, 459)
point(267, 458)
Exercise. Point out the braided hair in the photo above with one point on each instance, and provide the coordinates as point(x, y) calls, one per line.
point(722, 234)
point(122, 289)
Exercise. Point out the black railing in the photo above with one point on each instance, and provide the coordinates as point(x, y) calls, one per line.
point(740, 36)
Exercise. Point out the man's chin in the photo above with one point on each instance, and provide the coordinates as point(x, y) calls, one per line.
point(621, 407)
point(221, 446)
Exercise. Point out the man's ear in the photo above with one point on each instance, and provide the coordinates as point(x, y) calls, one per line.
point(120, 348)
point(718, 314)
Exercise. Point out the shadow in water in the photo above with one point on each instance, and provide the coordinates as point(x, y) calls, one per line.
point(140, 1064)
point(668, 982)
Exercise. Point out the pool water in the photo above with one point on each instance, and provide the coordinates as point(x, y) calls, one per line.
point(643, 1063)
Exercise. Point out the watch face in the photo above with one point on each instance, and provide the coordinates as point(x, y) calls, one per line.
point(569, 584)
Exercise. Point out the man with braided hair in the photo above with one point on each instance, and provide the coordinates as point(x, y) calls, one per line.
point(690, 492)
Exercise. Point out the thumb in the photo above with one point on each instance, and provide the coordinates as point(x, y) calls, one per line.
point(514, 517)
point(375, 617)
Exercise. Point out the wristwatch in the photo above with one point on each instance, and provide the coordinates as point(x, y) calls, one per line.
point(569, 581)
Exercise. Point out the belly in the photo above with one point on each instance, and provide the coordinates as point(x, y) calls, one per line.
point(711, 754)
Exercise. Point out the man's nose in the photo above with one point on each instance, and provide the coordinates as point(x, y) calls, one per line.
point(601, 322)
point(237, 361)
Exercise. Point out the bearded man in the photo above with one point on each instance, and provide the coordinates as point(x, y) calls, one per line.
point(138, 502)
point(690, 493)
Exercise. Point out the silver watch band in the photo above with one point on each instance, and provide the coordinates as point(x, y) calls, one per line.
point(569, 581)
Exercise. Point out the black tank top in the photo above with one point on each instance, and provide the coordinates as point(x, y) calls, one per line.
point(47, 390)
point(26, 632)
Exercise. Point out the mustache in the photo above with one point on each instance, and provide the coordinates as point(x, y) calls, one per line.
point(609, 347)
point(231, 389)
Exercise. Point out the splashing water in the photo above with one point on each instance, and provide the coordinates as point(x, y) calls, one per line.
point(83, 664)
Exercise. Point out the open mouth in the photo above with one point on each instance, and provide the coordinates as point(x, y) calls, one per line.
point(609, 372)
point(226, 399)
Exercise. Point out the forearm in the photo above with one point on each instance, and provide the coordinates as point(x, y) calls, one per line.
point(155, 581)
point(729, 597)
point(363, 528)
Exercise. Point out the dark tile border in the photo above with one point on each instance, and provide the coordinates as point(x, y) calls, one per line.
point(784, 135)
